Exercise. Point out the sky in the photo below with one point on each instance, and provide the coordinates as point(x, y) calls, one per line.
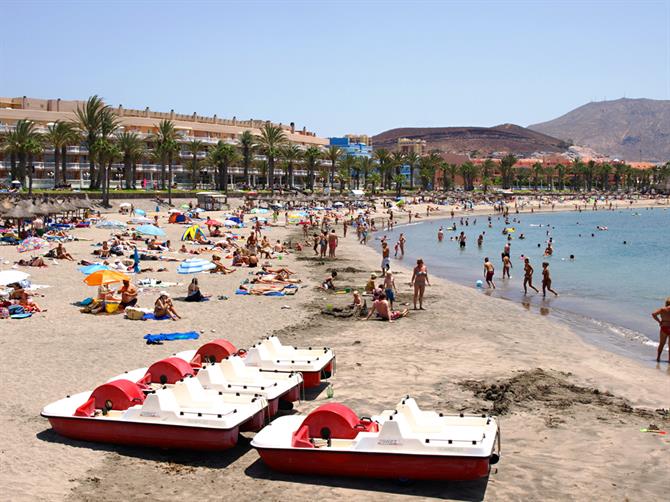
point(340, 67)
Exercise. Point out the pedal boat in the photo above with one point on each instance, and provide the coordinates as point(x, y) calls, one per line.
point(182, 416)
point(270, 355)
point(404, 443)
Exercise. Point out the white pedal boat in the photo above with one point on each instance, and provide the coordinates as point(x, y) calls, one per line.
point(184, 416)
point(404, 443)
point(228, 375)
point(270, 355)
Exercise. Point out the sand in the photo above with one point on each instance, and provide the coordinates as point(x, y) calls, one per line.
point(570, 413)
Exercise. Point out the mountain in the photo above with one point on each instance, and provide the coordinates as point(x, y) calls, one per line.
point(486, 140)
point(630, 129)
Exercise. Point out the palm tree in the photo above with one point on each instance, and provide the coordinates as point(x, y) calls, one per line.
point(427, 167)
point(333, 154)
point(291, 153)
point(108, 125)
point(452, 169)
point(272, 138)
point(507, 170)
point(33, 147)
point(365, 166)
point(222, 156)
point(347, 165)
point(11, 146)
point(375, 179)
point(165, 141)
point(412, 161)
point(312, 156)
point(487, 172)
point(60, 135)
point(87, 120)
point(194, 147)
point(577, 169)
point(247, 144)
point(561, 171)
point(107, 152)
point(604, 172)
point(590, 172)
point(131, 147)
point(537, 174)
point(383, 158)
point(468, 172)
point(24, 142)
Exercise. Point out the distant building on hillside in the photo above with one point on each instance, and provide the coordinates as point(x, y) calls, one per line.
point(407, 145)
point(350, 147)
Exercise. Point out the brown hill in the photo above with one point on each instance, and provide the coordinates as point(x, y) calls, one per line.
point(486, 140)
point(630, 129)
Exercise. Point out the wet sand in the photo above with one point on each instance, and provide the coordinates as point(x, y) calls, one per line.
point(570, 413)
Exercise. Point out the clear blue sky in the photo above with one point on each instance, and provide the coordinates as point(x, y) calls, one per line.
point(340, 67)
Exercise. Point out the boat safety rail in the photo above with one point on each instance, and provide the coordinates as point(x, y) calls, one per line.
point(452, 441)
point(205, 413)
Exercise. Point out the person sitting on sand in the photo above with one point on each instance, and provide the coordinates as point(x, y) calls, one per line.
point(328, 281)
point(382, 308)
point(23, 298)
point(164, 307)
point(357, 304)
point(219, 266)
point(128, 295)
point(104, 251)
point(662, 317)
point(194, 294)
point(62, 254)
point(370, 285)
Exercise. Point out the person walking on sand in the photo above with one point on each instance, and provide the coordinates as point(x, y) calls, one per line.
point(546, 280)
point(662, 317)
point(386, 258)
point(419, 281)
point(332, 243)
point(528, 277)
point(489, 270)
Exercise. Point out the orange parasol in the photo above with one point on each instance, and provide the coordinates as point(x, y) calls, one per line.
point(105, 277)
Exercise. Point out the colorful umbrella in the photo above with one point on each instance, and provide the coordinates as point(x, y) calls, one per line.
point(195, 266)
point(150, 230)
point(89, 269)
point(213, 223)
point(31, 244)
point(105, 277)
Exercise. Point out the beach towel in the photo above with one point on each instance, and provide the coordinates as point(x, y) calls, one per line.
point(160, 337)
point(274, 293)
point(242, 292)
point(152, 317)
point(21, 316)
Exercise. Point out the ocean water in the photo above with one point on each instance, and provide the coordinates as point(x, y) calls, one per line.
point(607, 293)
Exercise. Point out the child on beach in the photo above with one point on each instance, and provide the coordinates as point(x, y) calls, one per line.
point(389, 287)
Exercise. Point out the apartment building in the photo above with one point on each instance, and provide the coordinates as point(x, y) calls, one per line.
point(208, 130)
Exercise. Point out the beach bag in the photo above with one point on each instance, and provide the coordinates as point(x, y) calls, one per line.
point(134, 314)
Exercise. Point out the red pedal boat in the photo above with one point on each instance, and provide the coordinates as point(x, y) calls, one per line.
point(403, 443)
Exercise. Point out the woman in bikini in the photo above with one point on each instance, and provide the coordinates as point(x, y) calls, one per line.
point(419, 281)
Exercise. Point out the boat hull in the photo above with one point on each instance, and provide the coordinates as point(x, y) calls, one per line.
point(375, 465)
point(151, 435)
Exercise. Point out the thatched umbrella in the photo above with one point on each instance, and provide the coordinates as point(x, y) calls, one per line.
point(19, 212)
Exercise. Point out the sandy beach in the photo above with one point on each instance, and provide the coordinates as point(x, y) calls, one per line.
point(570, 413)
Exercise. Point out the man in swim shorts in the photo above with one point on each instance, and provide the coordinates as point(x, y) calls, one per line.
point(662, 317)
point(489, 270)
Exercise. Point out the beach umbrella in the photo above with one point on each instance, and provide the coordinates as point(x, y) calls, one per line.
point(12, 276)
point(140, 212)
point(213, 223)
point(111, 224)
point(195, 266)
point(150, 230)
point(19, 212)
point(192, 233)
point(89, 269)
point(105, 277)
point(125, 204)
point(231, 223)
point(31, 244)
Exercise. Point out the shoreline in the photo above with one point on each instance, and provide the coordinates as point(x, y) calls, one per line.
point(617, 338)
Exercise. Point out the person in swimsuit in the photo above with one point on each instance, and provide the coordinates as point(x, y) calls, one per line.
point(164, 307)
point(128, 295)
point(507, 265)
point(528, 277)
point(386, 257)
point(401, 244)
point(546, 280)
point(440, 235)
point(384, 311)
point(332, 244)
point(662, 317)
point(419, 281)
point(389, 287)
point(461, 240)
point(489, 270)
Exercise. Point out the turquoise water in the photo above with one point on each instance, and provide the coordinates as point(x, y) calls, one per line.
point(607, 292)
